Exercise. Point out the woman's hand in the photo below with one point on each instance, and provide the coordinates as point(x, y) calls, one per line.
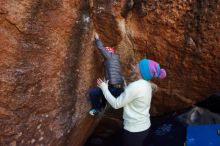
point(100, 82)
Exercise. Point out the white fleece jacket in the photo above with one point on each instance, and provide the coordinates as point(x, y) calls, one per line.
point(136, 101)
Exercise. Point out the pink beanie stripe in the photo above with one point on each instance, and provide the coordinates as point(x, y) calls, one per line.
point(151, 69)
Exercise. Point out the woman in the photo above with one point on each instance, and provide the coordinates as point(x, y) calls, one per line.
point(135, 101)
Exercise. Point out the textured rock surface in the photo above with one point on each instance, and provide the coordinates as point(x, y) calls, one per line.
point(48, 60)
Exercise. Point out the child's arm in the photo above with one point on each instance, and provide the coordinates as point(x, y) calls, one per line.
point(101, 47)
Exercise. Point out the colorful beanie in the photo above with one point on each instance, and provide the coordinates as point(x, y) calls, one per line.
point(150, 69)
point(110, 49)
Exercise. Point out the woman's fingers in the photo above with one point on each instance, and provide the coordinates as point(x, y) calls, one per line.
point(100, 81)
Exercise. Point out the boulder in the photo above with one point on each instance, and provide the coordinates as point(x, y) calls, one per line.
point(48, 60)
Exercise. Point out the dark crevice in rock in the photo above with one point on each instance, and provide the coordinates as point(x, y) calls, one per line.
point(13, 24)
point(70, 71)
point(140, 7)
point(106, 25)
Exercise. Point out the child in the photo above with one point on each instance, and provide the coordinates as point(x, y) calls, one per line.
point(112, 73)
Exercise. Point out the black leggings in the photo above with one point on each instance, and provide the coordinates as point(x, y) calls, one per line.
point(134, 138)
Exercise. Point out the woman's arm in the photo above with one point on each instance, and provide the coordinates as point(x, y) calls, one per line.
point(126, 97)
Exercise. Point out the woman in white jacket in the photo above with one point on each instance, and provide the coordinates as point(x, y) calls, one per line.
point(135, 101)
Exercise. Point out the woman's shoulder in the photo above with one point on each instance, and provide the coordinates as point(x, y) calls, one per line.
point(139, 86)
point(140, 83)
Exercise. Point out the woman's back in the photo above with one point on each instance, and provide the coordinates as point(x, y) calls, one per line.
point(136, 113)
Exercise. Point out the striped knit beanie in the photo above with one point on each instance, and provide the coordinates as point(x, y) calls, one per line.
point(150, 69)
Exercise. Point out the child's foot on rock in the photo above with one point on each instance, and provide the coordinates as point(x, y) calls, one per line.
point(93, 112)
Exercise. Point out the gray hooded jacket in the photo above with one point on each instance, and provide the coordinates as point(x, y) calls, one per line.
point(112, 65)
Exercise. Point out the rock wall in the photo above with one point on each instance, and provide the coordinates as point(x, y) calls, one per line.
point(48, 60)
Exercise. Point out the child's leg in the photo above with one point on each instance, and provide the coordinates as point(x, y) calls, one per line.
point(95, 95)
point(115, 91)
point(103, 102)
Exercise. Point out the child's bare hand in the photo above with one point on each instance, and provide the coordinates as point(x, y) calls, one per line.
point(96, 36)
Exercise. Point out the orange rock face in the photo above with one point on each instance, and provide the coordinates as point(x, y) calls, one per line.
point(48, 60)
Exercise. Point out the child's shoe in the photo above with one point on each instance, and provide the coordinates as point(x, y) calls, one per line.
point(93, 112)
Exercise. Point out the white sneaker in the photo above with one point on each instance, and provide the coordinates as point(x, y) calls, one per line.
point(93, 112)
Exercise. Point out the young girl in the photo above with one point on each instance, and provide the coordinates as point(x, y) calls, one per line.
point(112, 73)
